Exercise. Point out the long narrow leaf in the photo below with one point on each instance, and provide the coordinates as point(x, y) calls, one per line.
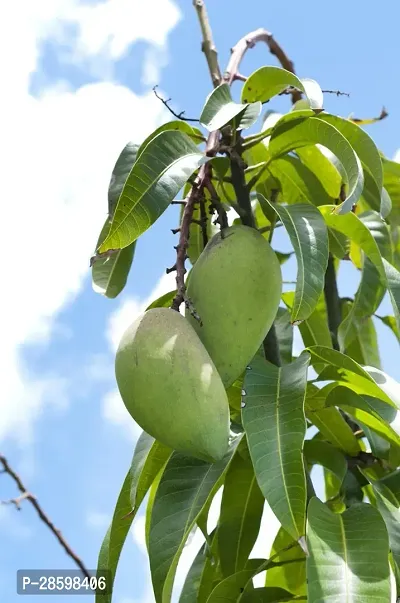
point(156, 177)
point(273, 418)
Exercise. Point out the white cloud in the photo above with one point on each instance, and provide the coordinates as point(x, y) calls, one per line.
point(397, 156)
point(97, 520)
point(57, 153)
point(115, 413)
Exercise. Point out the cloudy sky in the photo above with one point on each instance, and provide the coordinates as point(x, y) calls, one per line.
point(76, 87)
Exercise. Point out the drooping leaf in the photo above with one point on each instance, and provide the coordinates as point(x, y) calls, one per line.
point(289, 135)
point(191, 585)
point(241, 510)
point(148, 459)
point(315, 160)
point(390, 322)
point(358, 407)
point(182, 126)
point(309, 237)
point(185, 487)
point(269, 81)
point(271, 594)
point(349, 553)
point(273, 418)
point(330, 422)
point(346, 370)
point(318, 452)
point(391, 517)
point(110, 274)
point(284, 334)
point(288, 576)
point(298, 183)
point(362, 144)
point(162, 302)
point(156, 177)
point(220, 109)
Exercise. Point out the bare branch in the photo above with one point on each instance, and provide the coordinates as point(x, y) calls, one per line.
point(26, 495)
point(208, 46)
point(177, 115)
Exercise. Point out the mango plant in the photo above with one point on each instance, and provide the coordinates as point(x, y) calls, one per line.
point(209, 370)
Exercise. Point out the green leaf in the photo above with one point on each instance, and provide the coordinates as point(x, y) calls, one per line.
point(148, 459)
point(110, 274)
point(297, 182)
point(349, 553)
point(185, 487)
point(309, 237)
point(391, 517)
point(314, 159)
point(288, 576)
point(230, 589)
point(191, 585)
point(362, 144)
point(270, 594)
point(314, 330)
point(182, 126)
point(241, 510)
point(390, 322)
point(339, 245)
point(269, 81)
point(330, 422)
point(358, 407)
point(290, 135)
point(273, 418)
point(284, 334)
point(318, 452)
point(220, 109)
point(156, 177)
point(164, 301)
point(346, 370)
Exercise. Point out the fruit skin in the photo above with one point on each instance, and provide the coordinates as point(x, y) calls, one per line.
point(235, 287)
point(171, 387)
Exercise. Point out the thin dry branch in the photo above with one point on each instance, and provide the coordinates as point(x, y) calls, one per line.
point(26, 495)
point(208, 46)
point(180, 115)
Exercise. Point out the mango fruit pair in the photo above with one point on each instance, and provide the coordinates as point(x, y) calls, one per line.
point(172, 372)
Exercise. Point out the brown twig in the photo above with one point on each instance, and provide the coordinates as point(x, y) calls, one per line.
point(177, 115)
point(216, 202)
point(249, 41)
point(26, 495)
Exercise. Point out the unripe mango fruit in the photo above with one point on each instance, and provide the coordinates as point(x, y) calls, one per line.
point(171, 387)
point(235, 288)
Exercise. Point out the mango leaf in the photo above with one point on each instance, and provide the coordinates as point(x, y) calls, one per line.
point(211, 573)
point(156, 177)
point(191, 585)
point(230, 589)
point(344, 369)
point(358, 407)
point(390, 322)
point(194, 133)
point(241, 510)
point(318, 452)
point(288, 576)
point(269, 81)
point(330, 422)
point(273, 418)
point(339, 245)
point(349, 553)
point(379, 447)
point(185, 487)
point(272, 594)
point(220, 109)
point(284, 334)
point(391, 517)
point(297, 182)
point(314, 159)
point(314, 330)
point(289, 135)
point(362, 144)
point(148, 459)
point(309, 237)
point(110, 274)
point(162, 302)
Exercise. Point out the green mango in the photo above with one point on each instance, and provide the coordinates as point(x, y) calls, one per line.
point(171, 387)
point(235, 288)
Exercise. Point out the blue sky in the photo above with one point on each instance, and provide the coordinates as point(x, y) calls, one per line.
point(76, 87)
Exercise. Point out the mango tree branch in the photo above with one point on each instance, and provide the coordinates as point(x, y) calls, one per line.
point(26, 495)
point(249, 41)
point(208, 46)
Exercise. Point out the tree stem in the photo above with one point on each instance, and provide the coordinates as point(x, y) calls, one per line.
point(332, 301)
point(208, 46)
